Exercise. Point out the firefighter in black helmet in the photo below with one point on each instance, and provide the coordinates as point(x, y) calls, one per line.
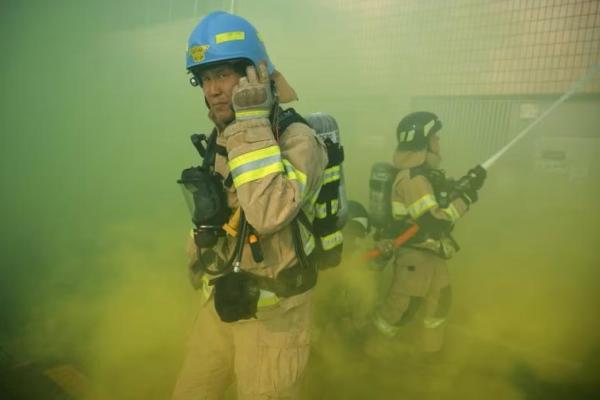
point(422, 195)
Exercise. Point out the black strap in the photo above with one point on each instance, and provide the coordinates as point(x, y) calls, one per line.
point(282, 119)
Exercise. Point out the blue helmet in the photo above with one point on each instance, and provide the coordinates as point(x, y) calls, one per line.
point(221, 36)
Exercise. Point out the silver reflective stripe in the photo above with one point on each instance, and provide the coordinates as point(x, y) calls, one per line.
point(294, 174)
point(307, 239)
point(255, 165)
point(331, 174)
point(432, 323)
point(332, 240)
point(384, 327)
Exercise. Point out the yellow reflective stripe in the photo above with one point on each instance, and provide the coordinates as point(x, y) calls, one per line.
point(229, 36)
point(267, 298)
point(451, 212)
point(384, 327)
point(206, 287)
point(309, 246)
point(321, 210)
point(307, 239)
point(330, 241)
point(331, 174)
point(255, 165)
point(252, 114)
point(334, 206)
point(432, 323)
point(253, 156)
point(422, 205)
point(294, 174)
point(314, 195)
point(257, 174)
point(399, 210)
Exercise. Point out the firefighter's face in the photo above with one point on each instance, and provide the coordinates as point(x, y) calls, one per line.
point(217, 85)
point(434, 144)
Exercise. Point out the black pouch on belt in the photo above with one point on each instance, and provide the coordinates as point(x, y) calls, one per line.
point(236, 296)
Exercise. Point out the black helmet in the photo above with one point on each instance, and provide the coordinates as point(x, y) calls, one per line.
point(414, 130)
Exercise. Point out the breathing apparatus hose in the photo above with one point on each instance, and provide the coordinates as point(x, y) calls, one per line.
point(413, 229)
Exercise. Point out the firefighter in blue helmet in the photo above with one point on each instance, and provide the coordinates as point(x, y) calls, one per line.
point(256, 273)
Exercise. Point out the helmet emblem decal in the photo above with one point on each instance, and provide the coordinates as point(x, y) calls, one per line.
point(197, 52)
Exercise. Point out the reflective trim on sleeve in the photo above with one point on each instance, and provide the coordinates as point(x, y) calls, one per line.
point(331, 174)
point(294, 174)
point(432, 323)
point(255, 165)
point(330, 241)
point(451, 212)
point(254, 156)
point(257, 174)
point(422, 205)
point(384, 327)
point(399, 210)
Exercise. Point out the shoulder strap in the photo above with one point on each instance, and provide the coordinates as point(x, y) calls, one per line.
point(211, 144)
point(282, 119)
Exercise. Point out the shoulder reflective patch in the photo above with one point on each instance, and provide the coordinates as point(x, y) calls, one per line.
point(197, 52)
point(229, 36)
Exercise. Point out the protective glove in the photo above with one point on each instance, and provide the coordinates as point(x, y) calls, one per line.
point(477, 177)
point(469, 196)
point(385, 247)
point(253, 96)
point(468, 186)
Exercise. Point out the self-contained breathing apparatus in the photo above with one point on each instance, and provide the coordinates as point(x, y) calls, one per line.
point(332, 205)
point(236, 291)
